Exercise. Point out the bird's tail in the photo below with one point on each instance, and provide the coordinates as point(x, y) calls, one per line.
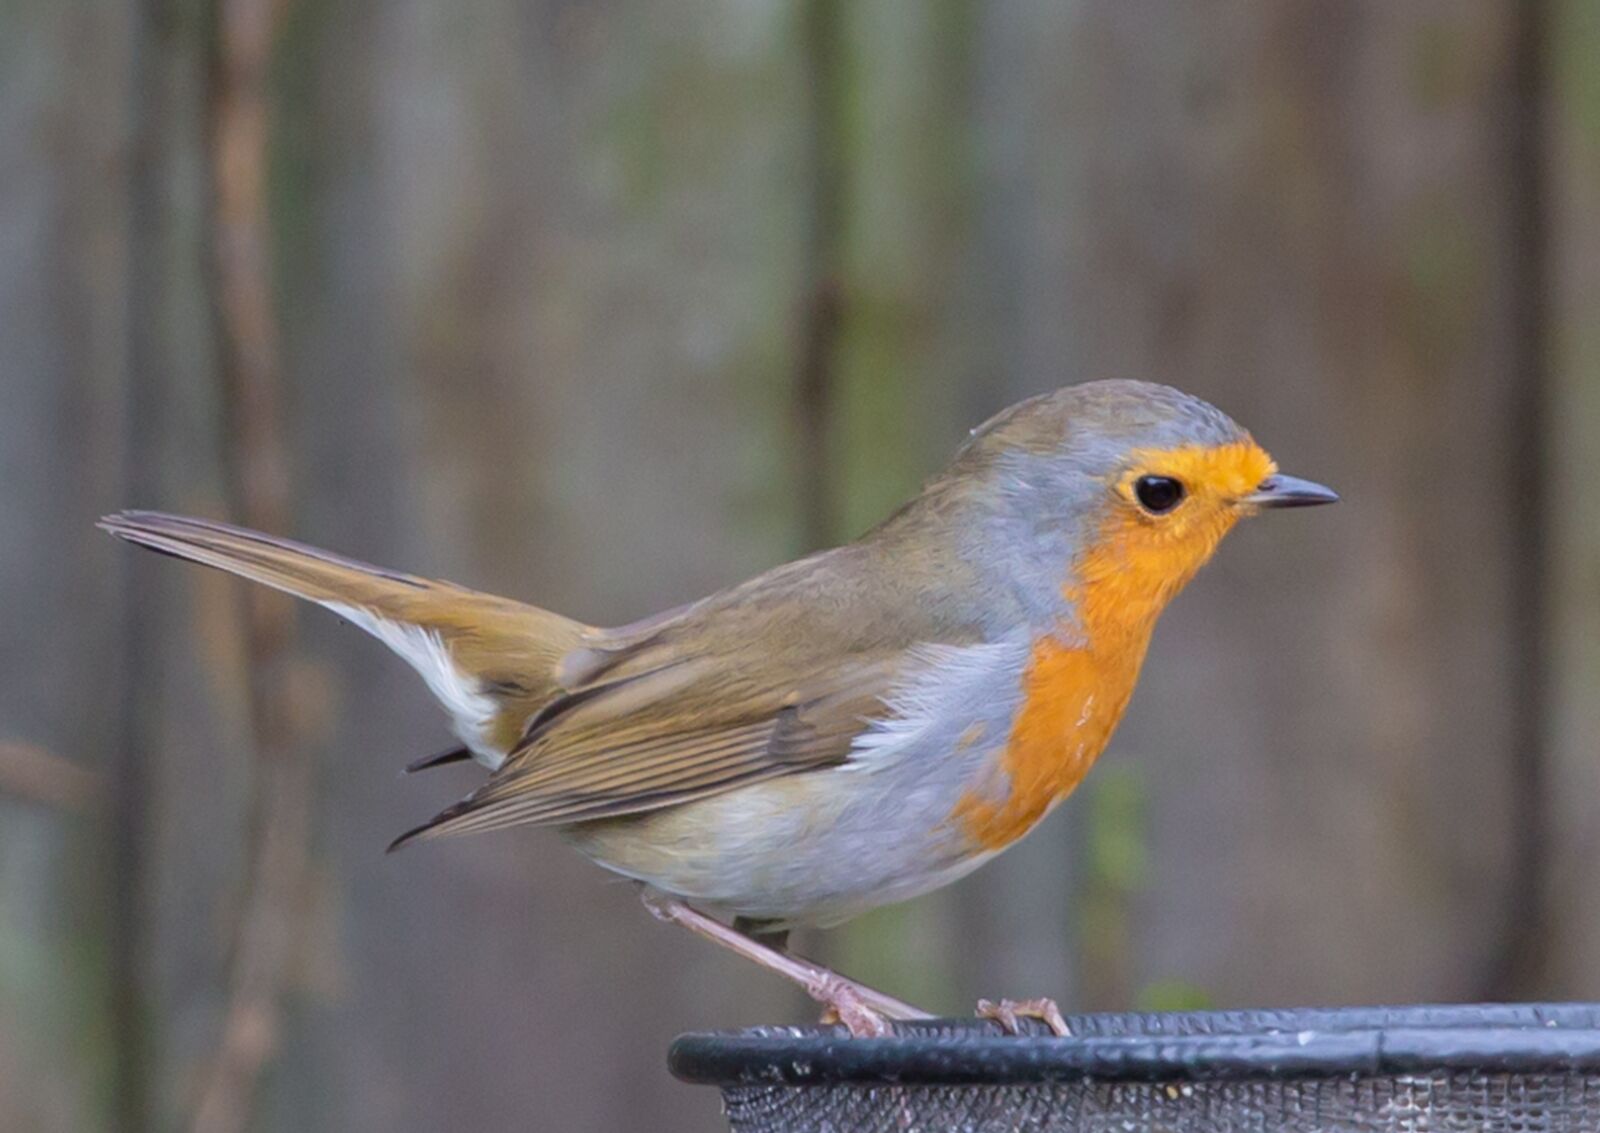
point(491, 661)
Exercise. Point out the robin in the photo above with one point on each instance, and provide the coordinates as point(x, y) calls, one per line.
point(855, 728)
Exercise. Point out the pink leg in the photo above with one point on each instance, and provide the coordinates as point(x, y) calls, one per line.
point(864, 1011)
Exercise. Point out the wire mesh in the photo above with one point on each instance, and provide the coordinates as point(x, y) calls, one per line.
point(1521, 1068)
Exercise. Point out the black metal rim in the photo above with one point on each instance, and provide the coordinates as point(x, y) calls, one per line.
point(1187, 1046)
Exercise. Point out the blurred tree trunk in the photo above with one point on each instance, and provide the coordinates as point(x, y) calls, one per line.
point(184, 741)
point(1573, 567)
point(269, 921)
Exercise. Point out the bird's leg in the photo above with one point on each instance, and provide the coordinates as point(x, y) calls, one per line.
point(762, 932)
point(1009, 1013)
point(864, 1011)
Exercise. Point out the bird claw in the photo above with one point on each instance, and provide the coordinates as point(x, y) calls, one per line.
point(842, 1004)
point(1009, 1013)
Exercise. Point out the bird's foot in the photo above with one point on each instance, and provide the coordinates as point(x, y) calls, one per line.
point(843, 1004)
point(1009, 1013)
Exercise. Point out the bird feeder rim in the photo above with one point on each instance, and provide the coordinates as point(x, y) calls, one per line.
point(1191, 1046)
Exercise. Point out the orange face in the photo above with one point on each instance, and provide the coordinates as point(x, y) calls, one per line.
point(1168, 512)
point(1144, 556)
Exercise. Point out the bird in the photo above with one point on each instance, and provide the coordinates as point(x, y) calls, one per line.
point(855, 728)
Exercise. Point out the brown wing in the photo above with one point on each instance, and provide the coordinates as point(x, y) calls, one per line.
point(776, 676)
point(668, 736)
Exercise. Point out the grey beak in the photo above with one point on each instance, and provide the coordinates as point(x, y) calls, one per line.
point(1290, 491)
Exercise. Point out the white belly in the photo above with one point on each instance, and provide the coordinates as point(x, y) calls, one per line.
point(818, 847)
point(811, 849)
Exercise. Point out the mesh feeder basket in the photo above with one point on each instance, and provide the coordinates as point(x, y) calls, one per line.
point(1529, 1068)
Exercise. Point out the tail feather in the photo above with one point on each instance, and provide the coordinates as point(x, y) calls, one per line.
point(439, 759)
point(490, 660)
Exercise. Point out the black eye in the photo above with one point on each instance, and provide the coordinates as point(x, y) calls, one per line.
point(1158, 493)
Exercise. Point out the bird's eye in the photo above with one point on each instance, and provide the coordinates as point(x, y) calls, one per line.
point(1158, 494)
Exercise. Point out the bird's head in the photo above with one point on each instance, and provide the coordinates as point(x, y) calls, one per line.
point(1127, 485)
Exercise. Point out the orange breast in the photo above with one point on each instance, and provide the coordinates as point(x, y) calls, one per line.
point(1074, 695)
point(1073, 699)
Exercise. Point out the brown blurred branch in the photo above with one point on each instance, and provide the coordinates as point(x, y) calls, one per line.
point(257, 457)
point(30, 772)
point(822, 315)
point(1518, 964)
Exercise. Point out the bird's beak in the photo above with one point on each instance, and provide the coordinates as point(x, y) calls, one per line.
point(1289, 491)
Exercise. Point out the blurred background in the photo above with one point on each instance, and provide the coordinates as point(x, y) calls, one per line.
point(607, 304)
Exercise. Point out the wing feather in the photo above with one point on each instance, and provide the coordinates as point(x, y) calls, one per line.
point(691, 742)
point(781, 675)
